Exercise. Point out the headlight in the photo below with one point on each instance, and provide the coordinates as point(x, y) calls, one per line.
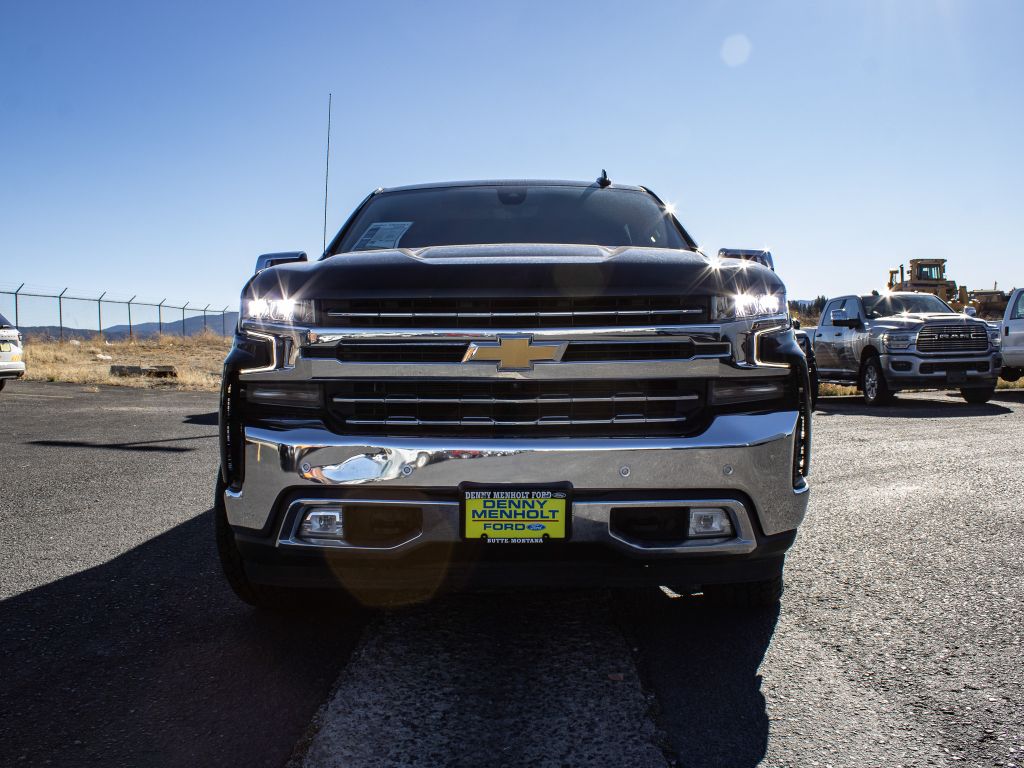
point(994, 338)
point(898, 340)
point(278, 310)
point(743, 306)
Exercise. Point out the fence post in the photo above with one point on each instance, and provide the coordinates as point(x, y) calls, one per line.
point(99, 311)
point(204, 317)
point(183, 320)
point(160, 316)
point(16, 323)
point(223, 321)
point(60, 312)
point(131, 334)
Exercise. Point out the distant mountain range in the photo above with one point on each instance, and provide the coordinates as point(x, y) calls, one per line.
point(193, 325)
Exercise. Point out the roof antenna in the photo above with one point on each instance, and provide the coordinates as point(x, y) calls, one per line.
point(603, 180)
point(327, 172)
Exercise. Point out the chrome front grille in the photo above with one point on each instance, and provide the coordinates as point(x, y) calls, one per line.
point(516, 313)
point(421, 351)
point(492, 408)
point(952, 338)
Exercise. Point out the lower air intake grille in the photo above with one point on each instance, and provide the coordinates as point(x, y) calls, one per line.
point(518, 408)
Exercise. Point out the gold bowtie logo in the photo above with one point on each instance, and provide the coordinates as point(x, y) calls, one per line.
point(516, 353)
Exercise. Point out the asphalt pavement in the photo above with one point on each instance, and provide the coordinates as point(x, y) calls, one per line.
point(898, 641)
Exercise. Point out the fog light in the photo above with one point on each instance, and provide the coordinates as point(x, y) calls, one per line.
point(706, 523)
point(322, 523)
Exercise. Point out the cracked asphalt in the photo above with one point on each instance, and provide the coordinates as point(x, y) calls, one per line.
point(898, 642)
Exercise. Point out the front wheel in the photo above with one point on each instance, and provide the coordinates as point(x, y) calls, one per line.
point(2, 383)
point(261, 596)
point(872, 380)
point(977, 395)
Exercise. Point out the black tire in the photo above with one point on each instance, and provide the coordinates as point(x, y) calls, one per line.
point(815, 387)
point(977, 395)
point(872, 382)
point(3, 382)
point(261, 596)
point(750, 594)
point(1011, 374)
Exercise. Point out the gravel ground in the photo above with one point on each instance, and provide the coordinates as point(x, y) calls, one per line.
point(898, 641)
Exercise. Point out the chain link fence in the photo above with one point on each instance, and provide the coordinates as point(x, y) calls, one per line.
point(111, 316)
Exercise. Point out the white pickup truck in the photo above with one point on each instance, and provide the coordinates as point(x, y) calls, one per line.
point(1012, 330)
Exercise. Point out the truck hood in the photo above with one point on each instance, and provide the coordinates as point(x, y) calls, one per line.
point(917, 320)
point(489, 271)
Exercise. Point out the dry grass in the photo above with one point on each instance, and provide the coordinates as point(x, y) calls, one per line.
point(838, 390)
point(198, 360)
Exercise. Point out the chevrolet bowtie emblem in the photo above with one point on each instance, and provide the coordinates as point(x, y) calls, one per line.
point(513, 353)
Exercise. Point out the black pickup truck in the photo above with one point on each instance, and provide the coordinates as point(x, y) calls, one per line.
point(505, 383)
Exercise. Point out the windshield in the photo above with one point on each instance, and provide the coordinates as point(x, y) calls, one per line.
point(5, 323)
point(513, 214)
point(884, 306)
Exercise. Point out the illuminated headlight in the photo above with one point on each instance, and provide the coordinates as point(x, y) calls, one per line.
point(742, 306)
point(898, 340)
point(278, 310)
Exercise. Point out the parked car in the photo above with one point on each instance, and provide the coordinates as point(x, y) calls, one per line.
point(1012, 336)
point(883, 343)
point(508, 383)
point(12, 356)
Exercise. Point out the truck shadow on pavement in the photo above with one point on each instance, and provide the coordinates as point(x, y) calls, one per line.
point(150, 660)
point(136, 446)
point(908, 408)
point(702, 665)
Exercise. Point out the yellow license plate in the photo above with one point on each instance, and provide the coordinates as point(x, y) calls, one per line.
point(5, 346)
point(515, 515)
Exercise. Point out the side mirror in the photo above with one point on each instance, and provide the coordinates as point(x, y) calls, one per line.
point(273, 259)
point(763, 258)
point(796, 324)
point(970, 311)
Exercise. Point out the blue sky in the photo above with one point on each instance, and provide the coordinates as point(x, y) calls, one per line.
point(157, 148)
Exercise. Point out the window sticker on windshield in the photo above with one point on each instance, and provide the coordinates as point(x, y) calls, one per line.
point(382, 234)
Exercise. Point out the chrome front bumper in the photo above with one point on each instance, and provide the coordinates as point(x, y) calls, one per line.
point(939, 364)
point(11, 370)
point(741, 455)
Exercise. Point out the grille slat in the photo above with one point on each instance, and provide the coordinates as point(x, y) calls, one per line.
point(952, 338)
point(517, 312)
point(492, 408)
point(576, 351)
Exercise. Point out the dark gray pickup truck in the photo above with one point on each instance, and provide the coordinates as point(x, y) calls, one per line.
point(883, 343)
point(511, 383)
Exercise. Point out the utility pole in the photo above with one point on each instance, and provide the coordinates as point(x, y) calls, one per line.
point(60, 312)
point(16, 323)
point(131, 333)
point(99, 312)
point(327, 171)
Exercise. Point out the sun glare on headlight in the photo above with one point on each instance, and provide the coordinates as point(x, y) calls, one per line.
point(753, 304)
point(281, 310)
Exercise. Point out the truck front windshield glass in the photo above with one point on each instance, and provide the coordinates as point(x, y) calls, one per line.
point(5, 323)
point(481, 215)
point(885, 306)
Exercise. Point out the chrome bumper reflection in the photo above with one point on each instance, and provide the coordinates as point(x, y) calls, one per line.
point(746, 453)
